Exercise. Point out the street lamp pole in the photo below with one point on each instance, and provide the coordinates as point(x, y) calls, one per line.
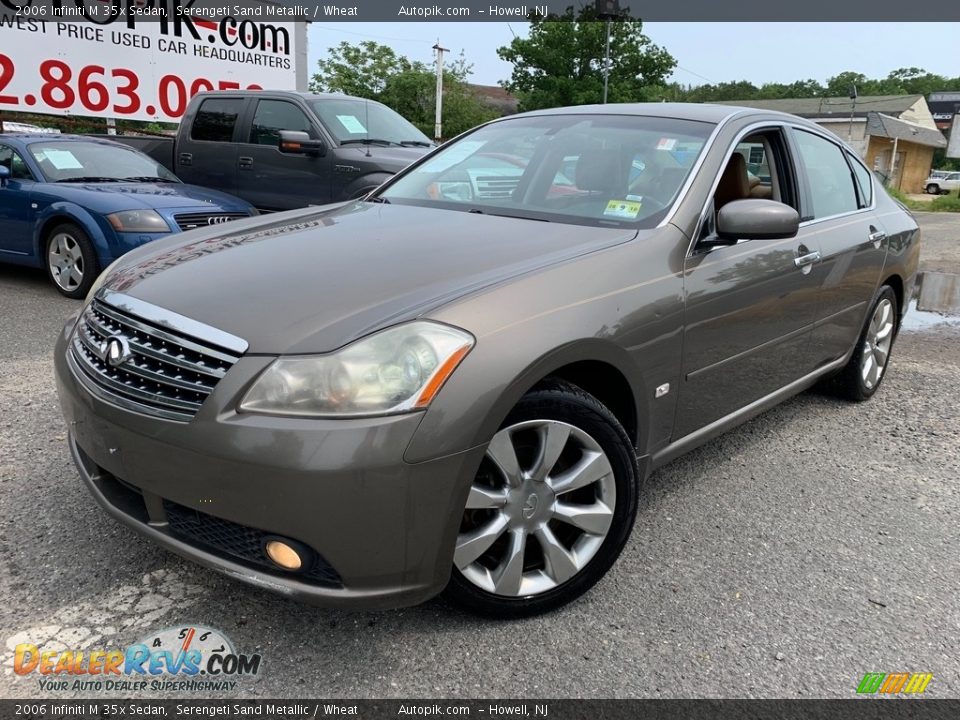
point(606, 64)
point(607, 10)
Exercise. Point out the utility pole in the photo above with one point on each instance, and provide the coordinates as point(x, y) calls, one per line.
point(438, 121)
point(607, 10)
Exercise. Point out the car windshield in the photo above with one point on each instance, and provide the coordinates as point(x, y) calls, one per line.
point(580, 169)
point(79, 161)
point(357, 121)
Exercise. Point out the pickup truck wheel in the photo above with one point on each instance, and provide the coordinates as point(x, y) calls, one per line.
point(550, 508)
point(933, 189)
point(70, 260)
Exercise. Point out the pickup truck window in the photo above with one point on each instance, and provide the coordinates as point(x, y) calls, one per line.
point(272, 116)
point(216, 119)
point(353, 120)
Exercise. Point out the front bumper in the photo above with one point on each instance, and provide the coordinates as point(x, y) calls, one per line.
point(385, 529)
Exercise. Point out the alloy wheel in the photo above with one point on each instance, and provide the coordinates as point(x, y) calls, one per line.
point(876, 344)
point(65, 258)
point(539, 509)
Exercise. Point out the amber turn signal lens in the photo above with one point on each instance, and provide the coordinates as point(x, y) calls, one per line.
point(284, 555)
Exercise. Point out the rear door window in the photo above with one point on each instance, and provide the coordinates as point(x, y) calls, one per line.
point(216, 119)
point(832, 190)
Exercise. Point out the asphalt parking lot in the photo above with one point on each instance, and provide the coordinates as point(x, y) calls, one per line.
point(786, 559)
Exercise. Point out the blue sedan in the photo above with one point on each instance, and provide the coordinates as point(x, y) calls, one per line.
point(75, 204)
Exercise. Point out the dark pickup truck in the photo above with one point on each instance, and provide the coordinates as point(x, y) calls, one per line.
point(280, 150)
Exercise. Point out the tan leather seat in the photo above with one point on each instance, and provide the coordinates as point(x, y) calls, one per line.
point(734, 183)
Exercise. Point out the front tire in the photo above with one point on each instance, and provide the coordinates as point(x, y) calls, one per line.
point(550, 508)
point(865, 370)
point(70, 260)
point(933, 189)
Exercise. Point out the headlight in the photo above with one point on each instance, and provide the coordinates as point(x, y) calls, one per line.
point(145, 221)
point(392, 371)
point(98, 283)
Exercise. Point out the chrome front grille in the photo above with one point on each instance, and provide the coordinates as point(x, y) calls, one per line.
point(144, 361)
point(189, 221)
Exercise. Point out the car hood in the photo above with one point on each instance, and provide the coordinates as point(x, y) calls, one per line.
point(312, 280)
point(113, 196)
point(390, 158)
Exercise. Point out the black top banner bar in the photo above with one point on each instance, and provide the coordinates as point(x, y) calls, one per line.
point(130, 12)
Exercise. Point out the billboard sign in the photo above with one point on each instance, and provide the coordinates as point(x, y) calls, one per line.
point(140, 68)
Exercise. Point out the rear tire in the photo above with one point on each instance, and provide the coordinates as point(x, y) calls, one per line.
point(933, 189)
point(864, 372)
point(70, 260)
point(550, 509)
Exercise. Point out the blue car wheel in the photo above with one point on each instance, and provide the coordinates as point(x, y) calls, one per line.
point(70, 260)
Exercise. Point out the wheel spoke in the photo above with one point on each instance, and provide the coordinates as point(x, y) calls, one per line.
point(483, 497)
point(553, 439)
point(884, 331)
point(594, 519)
point(868, 363)
point(73, 250)
point(560, 563)
point(472, 545)
point(880, 355)
point(504, 456)
point(508, 579)
point(592, 467)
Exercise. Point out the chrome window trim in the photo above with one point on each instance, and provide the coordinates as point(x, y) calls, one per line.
point(169, 319)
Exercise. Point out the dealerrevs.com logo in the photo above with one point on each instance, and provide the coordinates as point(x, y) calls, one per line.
point(189, 659)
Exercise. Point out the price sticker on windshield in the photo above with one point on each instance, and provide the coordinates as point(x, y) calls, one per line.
point(623, 209)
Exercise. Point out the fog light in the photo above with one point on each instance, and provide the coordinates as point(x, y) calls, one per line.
point(284, 555)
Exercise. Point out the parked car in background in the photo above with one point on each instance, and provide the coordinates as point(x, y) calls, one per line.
point(941, 182)
point(74, 205)
point(281, 150)
point(463, 379)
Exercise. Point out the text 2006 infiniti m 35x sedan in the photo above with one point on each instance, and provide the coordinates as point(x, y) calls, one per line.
point(460, 381)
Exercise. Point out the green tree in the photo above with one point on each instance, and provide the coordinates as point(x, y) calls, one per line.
point(360, 70)
point(561, 62)
point(376, 72)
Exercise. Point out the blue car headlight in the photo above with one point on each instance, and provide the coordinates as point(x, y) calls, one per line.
point(138, 221)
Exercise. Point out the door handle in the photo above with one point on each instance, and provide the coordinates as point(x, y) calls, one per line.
point(805, 261)
point(246, 162)
point(186, 158)
point(877, 237)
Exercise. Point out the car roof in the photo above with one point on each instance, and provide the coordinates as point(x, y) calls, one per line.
point(28, 138)
point(703, 112)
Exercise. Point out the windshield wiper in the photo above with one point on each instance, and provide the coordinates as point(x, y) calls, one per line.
point(89, 178)
point(378, 199)
point(477, 211)
point(148, 178)
point(416, 143)
point(366, 141)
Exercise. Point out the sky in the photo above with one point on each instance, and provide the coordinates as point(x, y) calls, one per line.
point(705, 52)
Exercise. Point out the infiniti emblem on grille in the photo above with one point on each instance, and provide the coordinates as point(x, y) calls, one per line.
point(217, 219)
point(116, 350)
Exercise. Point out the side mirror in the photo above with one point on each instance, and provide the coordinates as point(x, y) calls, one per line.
point(757, 219)
point(4, 175)
point(297, 142)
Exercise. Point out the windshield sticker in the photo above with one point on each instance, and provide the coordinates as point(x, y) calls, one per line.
point(352, 124)
point(63, 160)
point(667, 144)
point(624, 209)
point(456, 154)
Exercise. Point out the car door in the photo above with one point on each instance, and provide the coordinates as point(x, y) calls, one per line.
point(750, 305)
point(206, 154)
point(840, 217)
point(17, 211)
point(273, 180)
